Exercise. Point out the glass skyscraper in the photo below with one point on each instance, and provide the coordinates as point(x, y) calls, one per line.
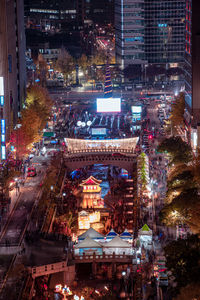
point(192, 70)
point(129, 30)
point(164, 31)
point(149, 31)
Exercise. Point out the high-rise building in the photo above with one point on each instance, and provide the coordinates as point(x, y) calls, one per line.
point(50, 16)
point(149, 31)
point(12, 66)
point(129, 32)
point(164, 31)
point(192, 68)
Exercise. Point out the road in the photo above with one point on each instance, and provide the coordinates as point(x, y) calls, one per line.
point(13, 232)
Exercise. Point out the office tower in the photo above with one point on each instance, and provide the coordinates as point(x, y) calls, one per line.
point(192, 71)
point(150, 31)
point(50, 16)
point(12, 66)
point(164, 31)
point(129, 32)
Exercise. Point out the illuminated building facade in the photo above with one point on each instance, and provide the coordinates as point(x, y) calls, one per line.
point(192, 71)
point(149, 31)
point(50, 15)
point(12, 66)
point(129, 32)
point(91, 185)
point(164, 31)
point(91, 193)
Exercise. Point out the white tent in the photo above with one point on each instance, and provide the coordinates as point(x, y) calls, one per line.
point(88, 246)
point(145, 230)
point(117, 242)
point(145, 236)
point(88, 243)
point(127, 236)
point(93, 234)
point(111, 235)
point(117, 246)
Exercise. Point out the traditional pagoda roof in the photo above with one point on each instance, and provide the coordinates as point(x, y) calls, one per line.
point(125, 234)
point(112, 233)
point(117, 242)
point(92, 233)
point(88, 243)
point(91, 181)
point(108, 91)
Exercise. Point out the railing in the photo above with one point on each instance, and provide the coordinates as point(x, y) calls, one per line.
point(49, 269)
point(103, 256)
point(103, 158)
point(101, 150)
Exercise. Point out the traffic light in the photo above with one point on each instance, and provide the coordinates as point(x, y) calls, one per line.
point(150, 137)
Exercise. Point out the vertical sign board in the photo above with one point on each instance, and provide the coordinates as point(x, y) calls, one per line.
point(3, 123)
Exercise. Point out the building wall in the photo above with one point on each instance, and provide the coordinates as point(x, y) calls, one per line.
point(129, 30)
point(12, 60)
point(192, 61)
point(164, 31)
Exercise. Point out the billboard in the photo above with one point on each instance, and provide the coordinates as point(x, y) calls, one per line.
point(108, 105)
point(98, 131)
point(136, 109)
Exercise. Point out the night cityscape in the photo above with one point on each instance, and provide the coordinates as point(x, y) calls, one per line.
point(100, 149)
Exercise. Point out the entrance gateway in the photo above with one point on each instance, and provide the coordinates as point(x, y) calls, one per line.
point(116, 152)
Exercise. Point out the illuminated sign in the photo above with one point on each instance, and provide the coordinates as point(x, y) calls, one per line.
point(1, 86)
point(108, 105)
point(84, 220)
point(3, 139)
point(2, 100)
point(3, 126)
point(136, 109)
point(3, 152)
point(98, 131)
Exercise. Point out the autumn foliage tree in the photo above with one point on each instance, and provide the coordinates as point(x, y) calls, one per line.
point(65, 64)
point(33, 119)
point(177, 113)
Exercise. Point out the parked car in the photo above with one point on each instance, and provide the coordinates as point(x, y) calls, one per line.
point(31, 172)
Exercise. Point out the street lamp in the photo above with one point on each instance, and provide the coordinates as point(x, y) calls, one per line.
point(51, 192)
point(63, 195)
point(16, 184)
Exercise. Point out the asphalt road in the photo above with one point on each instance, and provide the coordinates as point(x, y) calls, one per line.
point(14, 229)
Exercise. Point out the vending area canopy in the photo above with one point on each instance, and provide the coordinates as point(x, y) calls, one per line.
point(91, 233)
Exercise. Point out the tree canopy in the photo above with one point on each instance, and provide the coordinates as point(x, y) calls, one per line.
point(179, 151)
point(183, 260)
point(33, 119)
point(177, 112)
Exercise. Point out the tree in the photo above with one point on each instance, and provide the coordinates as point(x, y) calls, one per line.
point(42, 70)
point(183, 260)
point(179, 152)
point(99, 58)
point(33, 119)
point(83, 62)
point(177, 113)
point(65, 63)
point(191, 291)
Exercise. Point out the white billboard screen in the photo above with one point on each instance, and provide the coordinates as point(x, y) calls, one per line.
point(108, 105)
point(98, 131)
point(136, 109)
point(1, 87)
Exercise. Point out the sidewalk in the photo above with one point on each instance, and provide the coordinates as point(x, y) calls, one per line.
point(14, 199)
